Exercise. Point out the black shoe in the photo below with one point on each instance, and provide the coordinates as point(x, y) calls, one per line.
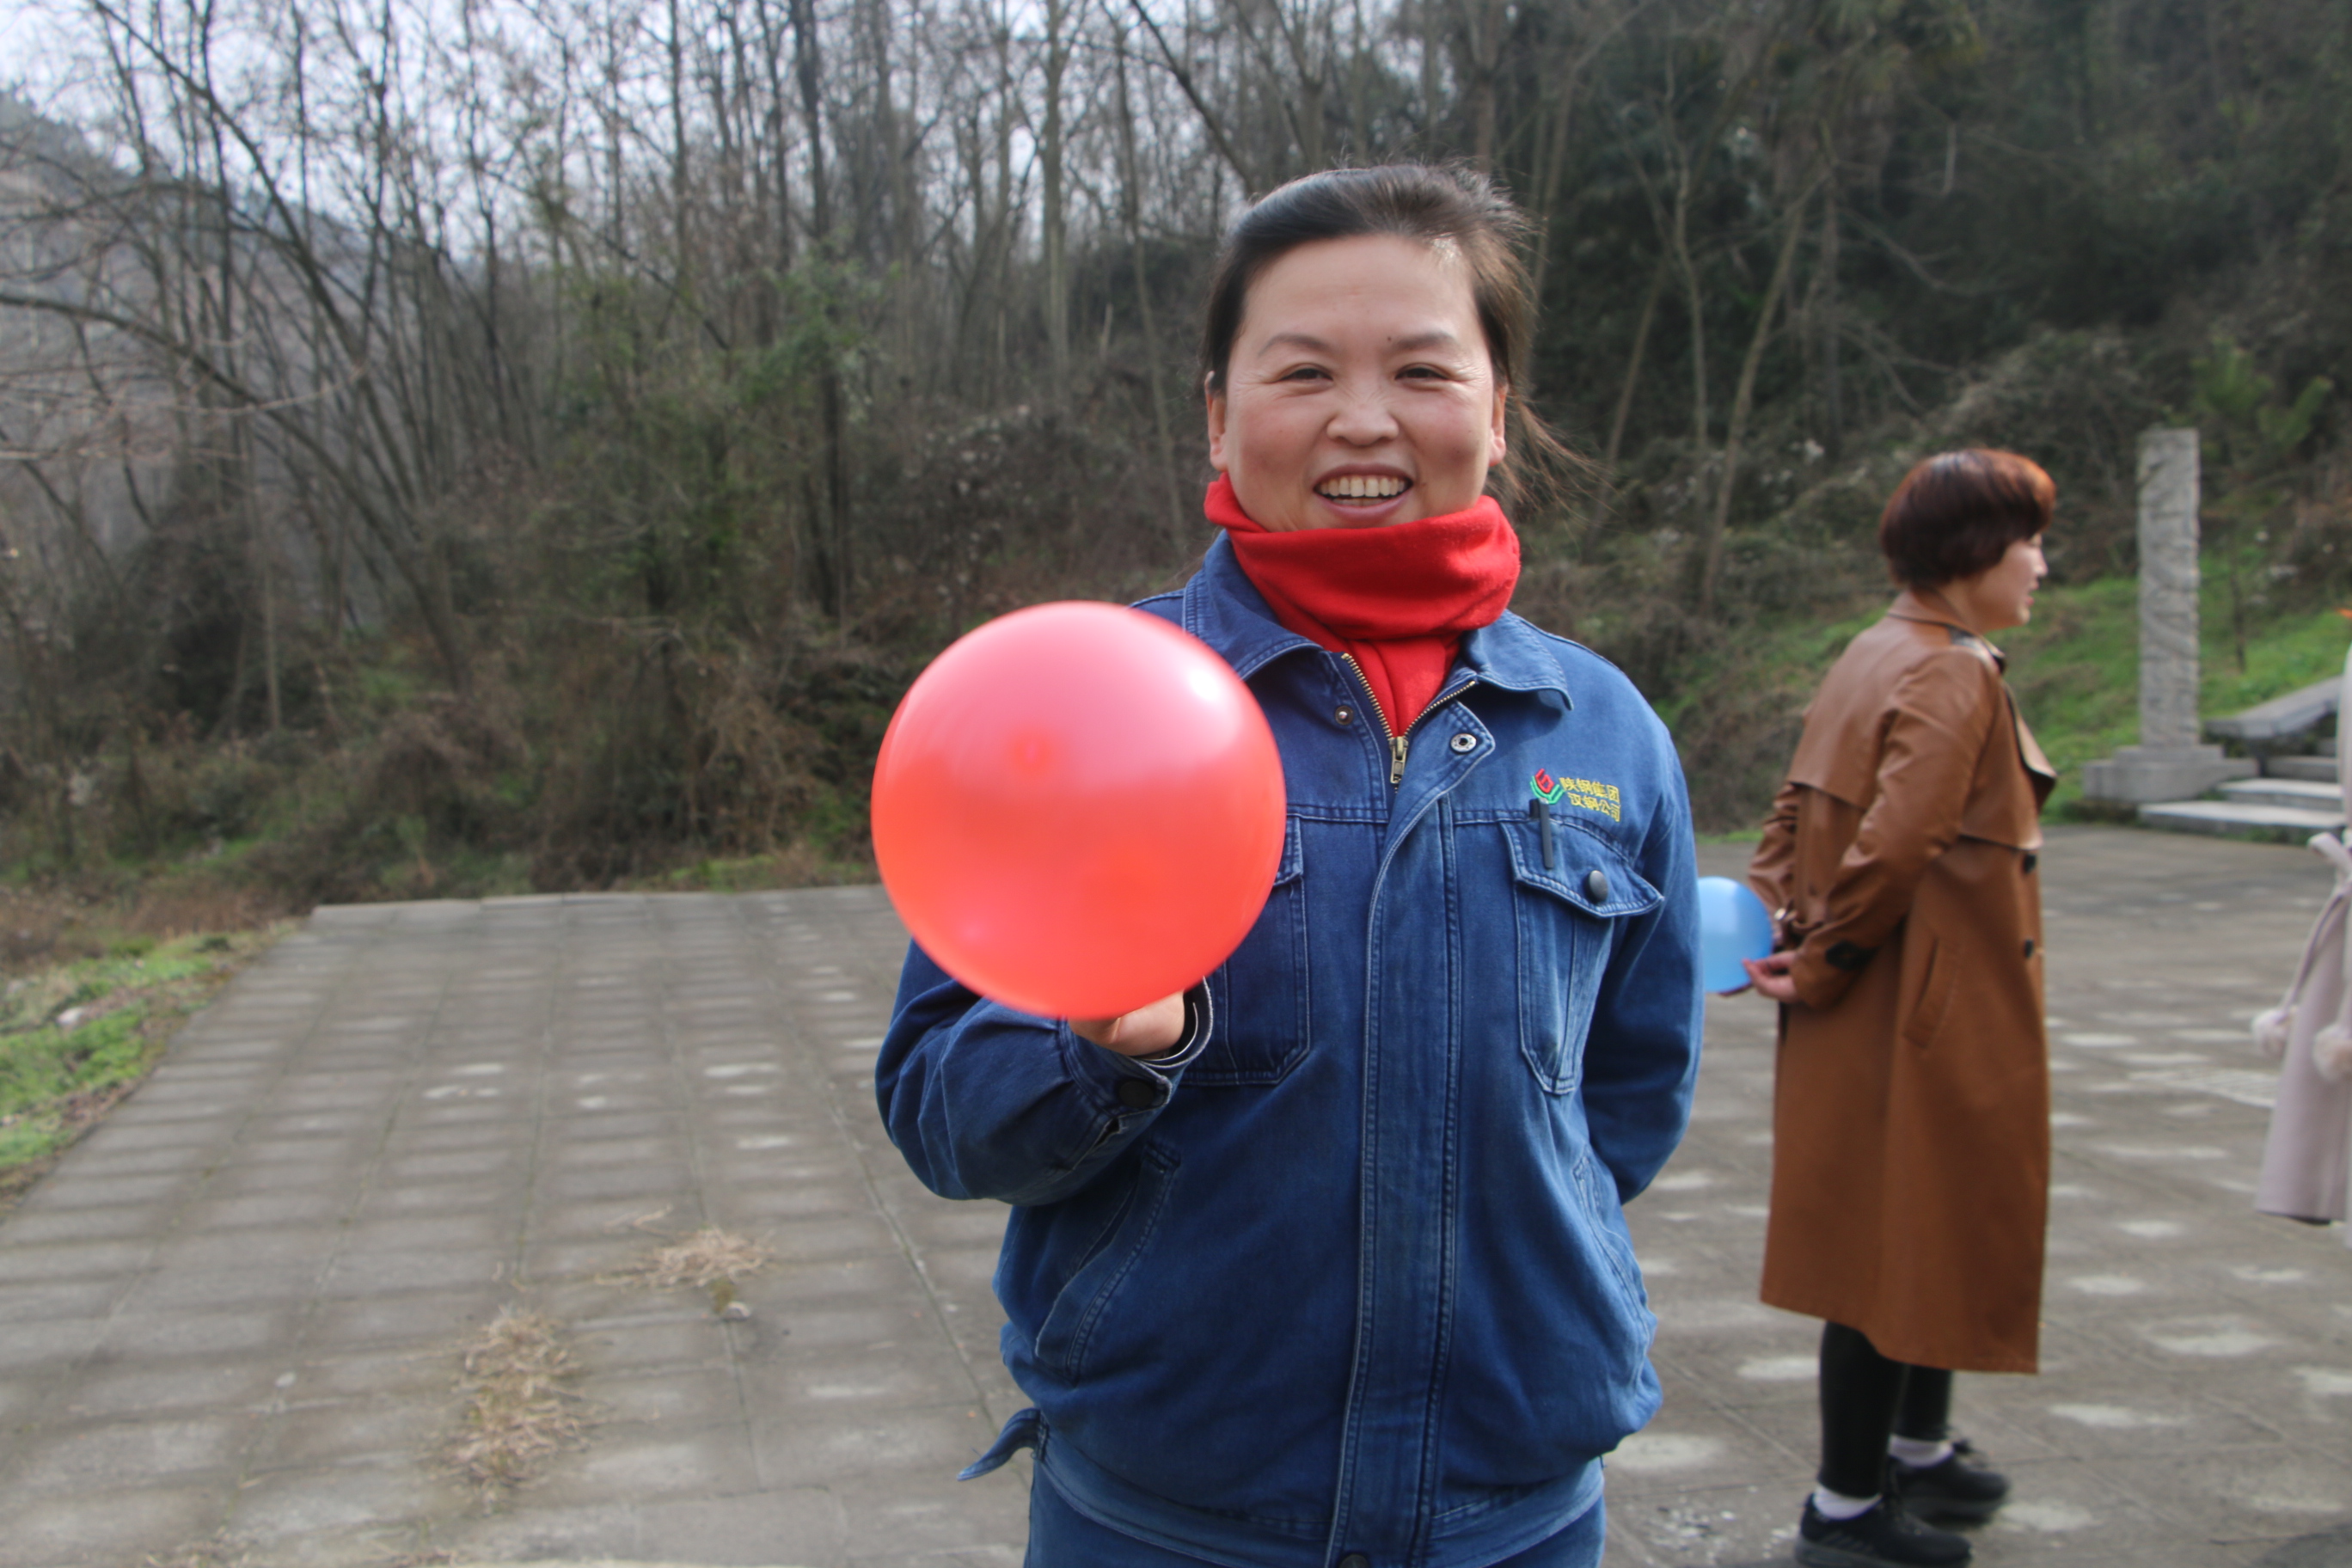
point(1955, 1487)
point(1886, 1537)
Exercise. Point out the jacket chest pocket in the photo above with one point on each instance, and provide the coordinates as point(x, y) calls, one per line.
point(1569, 916)
point(1260, 993)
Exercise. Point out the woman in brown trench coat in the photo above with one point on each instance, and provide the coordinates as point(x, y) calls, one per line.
point(1911, 1106)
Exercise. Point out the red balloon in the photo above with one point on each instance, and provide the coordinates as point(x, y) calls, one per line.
point(1078, 809)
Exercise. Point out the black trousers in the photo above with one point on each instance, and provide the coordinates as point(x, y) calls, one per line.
point(1867, 1399)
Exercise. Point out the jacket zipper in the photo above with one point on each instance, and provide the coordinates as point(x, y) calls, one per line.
point(1397, 744)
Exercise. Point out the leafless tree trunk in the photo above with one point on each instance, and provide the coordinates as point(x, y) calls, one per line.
point(1059, 20)
point(1743, 398)
point(1130, 197)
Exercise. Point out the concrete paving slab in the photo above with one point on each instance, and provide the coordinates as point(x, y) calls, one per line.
point(194, 1249)
point(106, 1525)
point(232, 1316)
point(22, 1303)
point(2171, 1378)
point(150, 1391)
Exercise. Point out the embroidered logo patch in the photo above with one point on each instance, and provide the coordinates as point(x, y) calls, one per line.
point(1588, 794)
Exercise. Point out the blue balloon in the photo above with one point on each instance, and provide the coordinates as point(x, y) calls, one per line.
point(1733, 924)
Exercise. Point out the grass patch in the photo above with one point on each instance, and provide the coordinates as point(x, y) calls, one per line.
point(76, 1037)
point(2076, 668)
point(802, 864)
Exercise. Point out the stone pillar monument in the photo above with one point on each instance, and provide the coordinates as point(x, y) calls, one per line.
point(2171, 762)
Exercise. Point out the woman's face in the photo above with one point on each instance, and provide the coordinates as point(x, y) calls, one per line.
point(2001, 595)
point(1359, 391)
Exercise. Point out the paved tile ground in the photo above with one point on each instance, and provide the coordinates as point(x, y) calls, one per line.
point(2195, 1406)
point(230, 1319)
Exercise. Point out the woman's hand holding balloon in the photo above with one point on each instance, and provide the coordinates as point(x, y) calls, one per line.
point(1770, 977)
point(1151, 1031)
point(1076, 808)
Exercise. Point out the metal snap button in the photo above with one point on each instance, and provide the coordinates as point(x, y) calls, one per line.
point(1138, 1095)
point(1596, 885)
point(1464, 742)
point(1343, 714)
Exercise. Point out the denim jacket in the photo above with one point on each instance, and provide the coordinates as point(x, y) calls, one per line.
point(1355, 1279)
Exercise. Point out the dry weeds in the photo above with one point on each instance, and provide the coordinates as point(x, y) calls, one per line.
point(708, 1258)
point(42, 927)
point(518, 1411)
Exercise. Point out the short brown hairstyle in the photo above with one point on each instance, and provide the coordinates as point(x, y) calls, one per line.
point(1956, 514)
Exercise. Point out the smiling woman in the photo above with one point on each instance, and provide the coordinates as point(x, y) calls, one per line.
point(1324, 1260)
point(1359, 391)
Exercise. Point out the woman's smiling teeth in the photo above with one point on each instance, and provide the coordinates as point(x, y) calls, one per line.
point(1361, 487)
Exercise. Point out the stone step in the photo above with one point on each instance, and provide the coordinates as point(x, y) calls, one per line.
point(2228, 819)
point(2293, 714)
point(2306, 794)
point(2320, 768)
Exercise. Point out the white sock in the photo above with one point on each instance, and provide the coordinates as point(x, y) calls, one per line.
point(1919, 1453)
point(1837, 1505)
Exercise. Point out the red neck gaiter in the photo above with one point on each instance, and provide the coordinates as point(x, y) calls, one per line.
point(1397, 598)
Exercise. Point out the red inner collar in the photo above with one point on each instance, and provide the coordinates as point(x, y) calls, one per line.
point(1396, 598)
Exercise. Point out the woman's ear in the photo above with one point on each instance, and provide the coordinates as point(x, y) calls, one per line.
point(1216, 403)
point(1499, 443)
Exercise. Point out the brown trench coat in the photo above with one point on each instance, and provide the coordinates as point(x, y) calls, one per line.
point(1911, 1106)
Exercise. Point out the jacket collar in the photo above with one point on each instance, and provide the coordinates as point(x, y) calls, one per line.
point(1929, 607)
point(1224, 609)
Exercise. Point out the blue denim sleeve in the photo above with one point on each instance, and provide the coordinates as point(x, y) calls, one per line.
point(1641, 1058)
point(988, 1102)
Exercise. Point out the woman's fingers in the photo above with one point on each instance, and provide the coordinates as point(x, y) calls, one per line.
point(1769, 976)
point(1148, 1031)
